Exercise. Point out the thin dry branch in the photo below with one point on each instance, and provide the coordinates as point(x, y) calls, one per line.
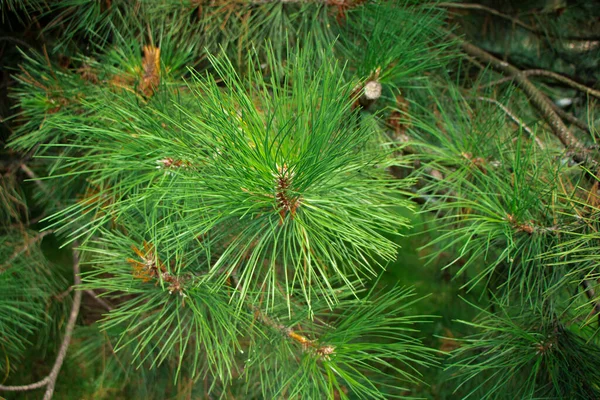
point(562, 113)
point(516, 119)
point(99, 300)
point(35, 179)
point(563, 79)
point(50, 381)
point(567, 116)
point(537, 99)
point(479, 7)
point(558, 77)
point(24, 248)
point(514, 20)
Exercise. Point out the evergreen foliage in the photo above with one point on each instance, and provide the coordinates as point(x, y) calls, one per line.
point(235, 178)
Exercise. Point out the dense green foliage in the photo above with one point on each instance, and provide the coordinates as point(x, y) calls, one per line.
point(304, 200)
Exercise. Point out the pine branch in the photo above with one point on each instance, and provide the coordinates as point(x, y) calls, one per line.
point(562, 113)
point(50, 380)
point(542, 72)
point(516, 119)
point(15, 40)
point(514, 20)
point(536, 97)
point(35, 179)
point(99, 300)
point(563, 79)
point(24, 248)
point(489, 10)
point(567, 116)
point(320, 349)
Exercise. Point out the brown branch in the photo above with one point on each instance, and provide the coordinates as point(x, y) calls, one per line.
point(497, 82)
point(514, 20)
point(35, 179)
point(99, 300)
point(562, 113)
point(16, 41)
point(536, 97)
point(62, 352)
point(64, 294)
point(24, 248)
point(50, 380)
point(567, 116)
point(550, 74)
point(475, 62)
point(563, 79)
point(479, 7)
point(38, 181)
point(516, 119)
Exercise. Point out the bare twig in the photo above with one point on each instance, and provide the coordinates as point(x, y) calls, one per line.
point(479, 7)
point(16, 41)
point(516, 119)
point(24, 248)
point(62, 352)
point(475, 62)
point(558, 77)
point(24, 388)
point(562, 113)
point(497, 82)
point(563, 79)
point(99, 300)
point(567, 116)
point(537, 99)
point(35, 179)
point(64, 294)
point(50, 381)
point(514, 20)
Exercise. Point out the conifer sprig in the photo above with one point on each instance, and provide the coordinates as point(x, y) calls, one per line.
point(558, 362)
point(279, 167)
point(364, 349)
point(200, 205)
point(296, 166)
